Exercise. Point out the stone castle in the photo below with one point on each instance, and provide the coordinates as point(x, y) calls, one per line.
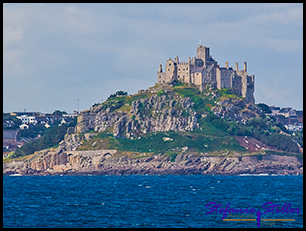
point(204, 71)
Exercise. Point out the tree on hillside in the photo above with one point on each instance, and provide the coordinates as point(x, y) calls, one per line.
point(264, 107)
point(58, 113)
point(117, 93)
point(51, 137)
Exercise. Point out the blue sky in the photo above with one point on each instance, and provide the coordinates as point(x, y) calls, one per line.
point(55, 54)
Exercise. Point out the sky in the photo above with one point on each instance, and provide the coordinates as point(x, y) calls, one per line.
point(70, 56)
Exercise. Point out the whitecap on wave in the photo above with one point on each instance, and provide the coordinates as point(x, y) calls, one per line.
point(261, 174)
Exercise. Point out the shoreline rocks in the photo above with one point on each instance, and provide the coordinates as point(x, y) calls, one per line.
point(101, 162)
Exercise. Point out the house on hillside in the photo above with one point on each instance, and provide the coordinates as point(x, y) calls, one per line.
point(66, 120)
point(8, 123)
point(53, 119)
point(41, 120)
point(274, 110)
point(287, 111)
point(73, 115)
point(24, 126)
point(294, 125)
point(48, 125)
point(27, 119)
point(11, 139)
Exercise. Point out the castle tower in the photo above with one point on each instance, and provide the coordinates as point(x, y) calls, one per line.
point(236, 66)
point(226, 65)
point(160, 69)
point(203, 53)
point(176, 59)
point(245, 66)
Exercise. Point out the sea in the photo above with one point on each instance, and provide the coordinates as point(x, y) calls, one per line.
point(152, 201)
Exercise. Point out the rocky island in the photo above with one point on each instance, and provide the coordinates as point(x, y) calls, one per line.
point(161, 133)
point(204, 124)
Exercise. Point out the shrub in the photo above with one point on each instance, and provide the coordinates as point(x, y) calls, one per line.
point(278, 141)
point(198, 103)
point(117, 93)
point(161, 92)
point(264, 107)
point(172, 155)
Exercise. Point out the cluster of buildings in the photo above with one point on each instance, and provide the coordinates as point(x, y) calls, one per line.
point(204, 71)
point(29, 120)
point(291, 119)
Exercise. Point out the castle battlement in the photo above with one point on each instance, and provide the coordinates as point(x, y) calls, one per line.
point(203, 70)
point(182, 63)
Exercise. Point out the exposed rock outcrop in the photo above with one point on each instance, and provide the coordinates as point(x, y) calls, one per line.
point(108, 162)
point(236, 110)
point(155, 113)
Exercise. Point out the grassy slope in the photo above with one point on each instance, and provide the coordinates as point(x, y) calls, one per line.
point(206, 139)
point(213, 136)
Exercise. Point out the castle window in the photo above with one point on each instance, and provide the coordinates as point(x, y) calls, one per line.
point(169, 64)
point(187, 68)
point(168, 69)
point(179, 69)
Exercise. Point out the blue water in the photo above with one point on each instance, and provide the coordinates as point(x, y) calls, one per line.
point(144, 200)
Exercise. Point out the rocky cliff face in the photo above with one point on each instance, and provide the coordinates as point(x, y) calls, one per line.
point(110, 162)
point(155, 113)
point(236, 110)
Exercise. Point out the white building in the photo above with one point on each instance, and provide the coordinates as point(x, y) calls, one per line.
point(27, 119)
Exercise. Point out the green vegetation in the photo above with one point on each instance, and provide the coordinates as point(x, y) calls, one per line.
point(58, 113)
point(177, 83)
point(298, 155)
point(278, 141)
point(33, 132)
point(154, 143)
point(172, 155)
point(51, 137)
point(118, 93)
point(121, 101)
point(192, 93)
point(100, 141)
point(264, 107)
point(227, 93)
point(265, 129)
point(160, 93)
point(213, 135)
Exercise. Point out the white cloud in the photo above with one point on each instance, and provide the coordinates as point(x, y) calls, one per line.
point(11, 36)
point(287, 17)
